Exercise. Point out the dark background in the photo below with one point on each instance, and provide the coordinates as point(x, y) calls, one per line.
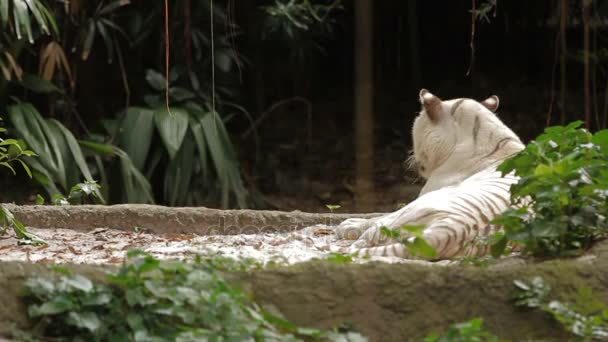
point(302, 164)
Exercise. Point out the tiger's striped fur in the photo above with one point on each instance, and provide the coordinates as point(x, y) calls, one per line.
point(457, 146)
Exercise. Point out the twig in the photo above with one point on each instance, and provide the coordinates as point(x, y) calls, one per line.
point(587, 92)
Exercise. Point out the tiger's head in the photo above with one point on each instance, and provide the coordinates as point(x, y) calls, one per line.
point(459, 135)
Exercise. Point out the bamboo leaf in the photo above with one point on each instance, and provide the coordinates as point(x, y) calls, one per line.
point(31, 4)
point(107, 39)
point(112, 6)
point(88, 42)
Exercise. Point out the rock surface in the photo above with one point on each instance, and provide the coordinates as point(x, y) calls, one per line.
point(159, 219)
point(387, 302)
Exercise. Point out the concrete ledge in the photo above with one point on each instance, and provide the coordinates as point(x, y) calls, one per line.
point(159, 219)
point(387, 302)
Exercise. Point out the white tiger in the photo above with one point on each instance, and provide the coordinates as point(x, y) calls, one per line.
point(457, 146)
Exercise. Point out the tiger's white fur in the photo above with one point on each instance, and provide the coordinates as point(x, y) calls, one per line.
point(457, 146)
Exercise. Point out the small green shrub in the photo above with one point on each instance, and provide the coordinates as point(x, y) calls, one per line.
point(12, 152)
point(469, 331)
point(78, 194)
point(561, 200)
point(156, 300)
point(583, 315)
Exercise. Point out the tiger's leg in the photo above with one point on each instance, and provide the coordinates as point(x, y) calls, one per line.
point(449, 237)
point(354, 228)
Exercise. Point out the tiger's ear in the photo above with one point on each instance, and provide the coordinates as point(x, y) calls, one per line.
point(431, 104)
point(491, 103)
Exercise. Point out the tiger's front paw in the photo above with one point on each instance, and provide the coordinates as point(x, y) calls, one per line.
point(351, 229)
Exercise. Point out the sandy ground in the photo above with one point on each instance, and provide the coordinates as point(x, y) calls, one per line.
point(109, 246)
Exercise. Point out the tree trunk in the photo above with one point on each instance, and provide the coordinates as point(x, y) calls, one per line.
point(364, 103)
point(585, 9)
point(563, 52)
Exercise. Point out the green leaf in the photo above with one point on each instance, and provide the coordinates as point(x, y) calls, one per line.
point(419, 247)
point(39, 199)
point(497, 249)
point(180, 94)
point(339, 258)
point(155, 80)
point(390, 233)
point(78, 282)
point(414, 229)
point(36, 84)
point(55, 306)
point(88, 42)
point(84, 320)
point(104, 150)
point(135, 134)
point(172, 128)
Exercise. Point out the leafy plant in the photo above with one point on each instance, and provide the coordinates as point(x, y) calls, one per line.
point(412, 237)
point(10, 152)
point(194, 142)
point(583, 315)
point(469, 331)
point(62, 162)
point(299, 23)
point(561, 200)
point(152, 300)
point(78, 193)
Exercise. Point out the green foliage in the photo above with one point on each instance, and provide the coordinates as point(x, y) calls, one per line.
point(201, 163)
point(582, 314)
point(339, 258)
point(17, 16)
point(154, 300)
point(299, 25)
point(561, 200)
point(469, 331)
point(11, 151)
point(8, 220)
point(78, 194)
point(412, 237)
point(63, 160)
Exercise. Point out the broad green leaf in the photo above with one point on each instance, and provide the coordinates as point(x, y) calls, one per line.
point(201, 146)
point(56, 305)
point(155, 79)
point(104, 150)
point(179, 174)
point(180, 94)
point(84, 320)
point(135, 134)
point(172, 128)
point(38, 85)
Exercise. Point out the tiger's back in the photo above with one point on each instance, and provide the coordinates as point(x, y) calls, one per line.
point(457, 146)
